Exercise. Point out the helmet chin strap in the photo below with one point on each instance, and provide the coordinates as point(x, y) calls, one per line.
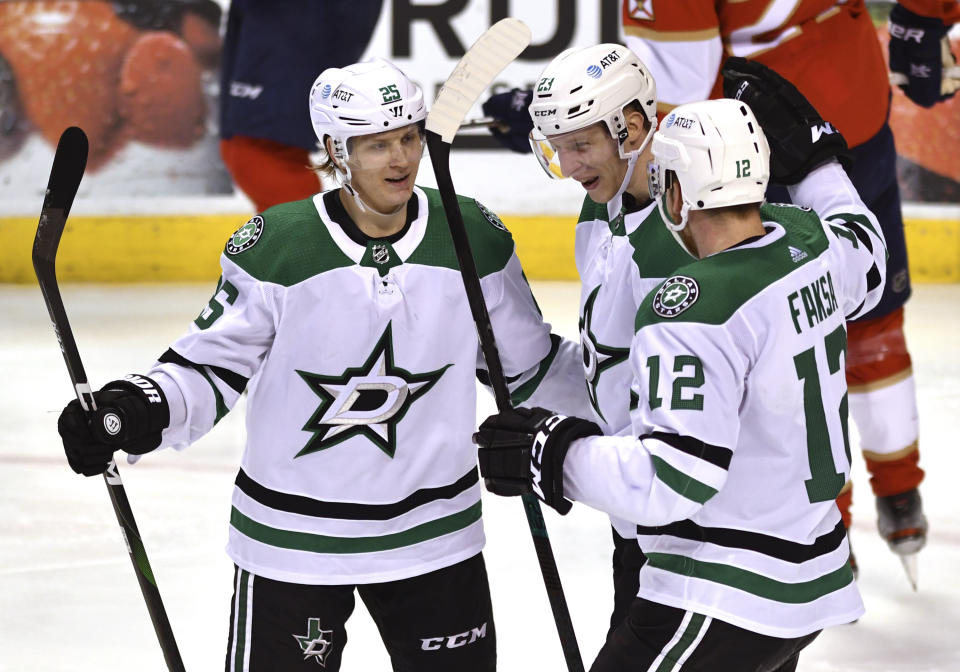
point(673, 227)
point(345, 176)
point(616, 203)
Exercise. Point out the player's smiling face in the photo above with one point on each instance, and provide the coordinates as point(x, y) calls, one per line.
point(590, 157)
point(384, 166)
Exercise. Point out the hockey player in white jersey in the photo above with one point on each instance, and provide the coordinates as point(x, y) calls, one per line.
point(344, 317)
point(595, 112)
point(739, 440)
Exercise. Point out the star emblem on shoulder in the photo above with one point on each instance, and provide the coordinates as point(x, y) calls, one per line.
point(597, 357)
point(367, 400)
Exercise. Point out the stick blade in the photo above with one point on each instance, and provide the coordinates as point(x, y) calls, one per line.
point(489, 55)
point(69, 162)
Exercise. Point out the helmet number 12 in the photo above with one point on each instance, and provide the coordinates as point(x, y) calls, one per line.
point(743, 168)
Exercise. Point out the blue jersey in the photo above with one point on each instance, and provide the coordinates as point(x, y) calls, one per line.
point(272, 53)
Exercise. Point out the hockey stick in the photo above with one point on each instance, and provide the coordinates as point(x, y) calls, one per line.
point(490, 54)
point(68, 165)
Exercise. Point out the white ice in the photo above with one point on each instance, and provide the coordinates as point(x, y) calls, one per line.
point(69, 599)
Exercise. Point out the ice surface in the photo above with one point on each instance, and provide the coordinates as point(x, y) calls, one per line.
point(70, 600)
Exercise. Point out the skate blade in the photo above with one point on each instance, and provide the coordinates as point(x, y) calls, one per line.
point(909, 563)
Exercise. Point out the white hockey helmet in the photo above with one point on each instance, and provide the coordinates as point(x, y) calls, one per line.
point(360, 99)
point(717, 151)
point(581, 87)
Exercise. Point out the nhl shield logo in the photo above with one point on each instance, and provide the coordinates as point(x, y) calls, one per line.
point(380, 254)
point(675, 295)
point(246, 236)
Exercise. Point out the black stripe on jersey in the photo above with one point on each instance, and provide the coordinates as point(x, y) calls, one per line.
point(715, 455)
point(237, 382)
point(853, 314)
point(873, 278)
point(781, 549)
point(307, 506)
point(857, 229)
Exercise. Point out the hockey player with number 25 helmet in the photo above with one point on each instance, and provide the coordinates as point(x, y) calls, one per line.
point(370, 98)
point(345, 315)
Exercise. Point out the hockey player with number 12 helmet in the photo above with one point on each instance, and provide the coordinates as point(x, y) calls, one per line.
point(738, 443)
point(345, 317)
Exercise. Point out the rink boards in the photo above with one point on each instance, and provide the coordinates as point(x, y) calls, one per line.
point(119, 248)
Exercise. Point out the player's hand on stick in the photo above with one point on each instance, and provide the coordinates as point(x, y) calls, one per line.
point(921, 62)
point(131, 415)
point(522, 451)
point(511, 110)
point(799, 138)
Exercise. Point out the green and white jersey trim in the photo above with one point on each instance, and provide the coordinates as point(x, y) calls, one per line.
point(739, 442)
point(620, 257)
point(361, 368)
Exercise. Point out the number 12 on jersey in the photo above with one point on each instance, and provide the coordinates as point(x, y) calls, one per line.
point(825, 482)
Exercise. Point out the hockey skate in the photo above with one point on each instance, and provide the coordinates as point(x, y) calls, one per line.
point(902, 524)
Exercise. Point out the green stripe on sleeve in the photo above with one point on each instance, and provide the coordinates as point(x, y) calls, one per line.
point(680, 483)
point(523, 392)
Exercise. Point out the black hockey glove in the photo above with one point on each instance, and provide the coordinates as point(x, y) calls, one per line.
point(920, 57)
point(522, 450)
point(799, 138)
point(512, 111)
point(130, 416)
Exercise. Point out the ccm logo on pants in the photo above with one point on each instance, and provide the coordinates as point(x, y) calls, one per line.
point(454, 641)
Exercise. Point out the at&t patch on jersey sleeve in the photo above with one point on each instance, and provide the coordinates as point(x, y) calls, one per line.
point(675, 295)
point(246, 236)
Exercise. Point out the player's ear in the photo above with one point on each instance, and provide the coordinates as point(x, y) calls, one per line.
point(637, 125)
point(674, 199)
point(328, 146)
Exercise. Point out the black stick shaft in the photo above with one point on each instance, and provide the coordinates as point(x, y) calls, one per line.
point(68, 165)
point(440, 158)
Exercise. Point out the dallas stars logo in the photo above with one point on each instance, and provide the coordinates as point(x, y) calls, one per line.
point(246, 236)
point(317, 643)
point(368, 400)
point(675, 296)
point(597, 358)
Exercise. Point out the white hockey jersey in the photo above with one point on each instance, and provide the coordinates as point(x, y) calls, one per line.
point(621, 254)
point(739, 442)
point(361, 362)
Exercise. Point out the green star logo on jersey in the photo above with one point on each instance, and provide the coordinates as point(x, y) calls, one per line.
point(675, 295)
point(368, 400)
point(317, 643)
point(597, 357)
point(246, 236)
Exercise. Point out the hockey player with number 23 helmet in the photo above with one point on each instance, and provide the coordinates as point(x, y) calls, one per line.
point(594, 113)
